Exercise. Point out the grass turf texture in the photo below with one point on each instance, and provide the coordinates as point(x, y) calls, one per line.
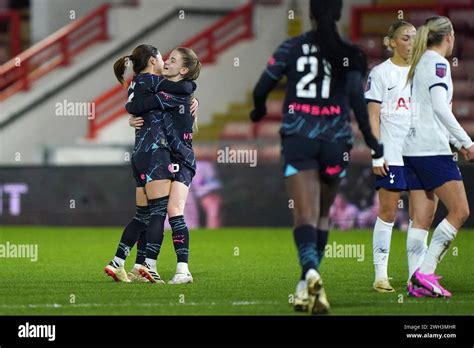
point(236, 272)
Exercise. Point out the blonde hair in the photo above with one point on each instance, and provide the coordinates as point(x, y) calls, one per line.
point(430, 34)
point(191, 61)
point(393, 32)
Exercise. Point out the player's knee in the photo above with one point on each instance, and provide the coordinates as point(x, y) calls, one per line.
point(463, 213)
point(305, 219)
point(174, 210)
point(388, 215)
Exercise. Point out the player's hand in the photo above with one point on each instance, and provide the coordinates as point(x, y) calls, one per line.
point(380, 170)
point(373, 143)
point(469, 154)
point(194, 107)
point(464, 153)
point(135, 122)
point(257, 115)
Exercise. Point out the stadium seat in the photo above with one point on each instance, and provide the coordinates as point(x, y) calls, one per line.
point(237, 130)
point(268, 130)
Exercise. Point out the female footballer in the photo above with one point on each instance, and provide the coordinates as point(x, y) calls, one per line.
point(324, 78)
point(430, 167)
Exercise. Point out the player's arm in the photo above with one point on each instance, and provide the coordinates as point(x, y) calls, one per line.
point(275, 70)
point(374, 95)
point(357, 102)
point(439, 97)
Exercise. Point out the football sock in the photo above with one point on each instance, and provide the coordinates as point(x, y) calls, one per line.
point(305, 240)
point(141, 249)
point(443, 235)
point(381, 247)
point(130, 234)
point(321, 241)
point(155, 231)
point(416, 248)
point(180, 237)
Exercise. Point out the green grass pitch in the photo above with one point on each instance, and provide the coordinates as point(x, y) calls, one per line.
point(236, 272)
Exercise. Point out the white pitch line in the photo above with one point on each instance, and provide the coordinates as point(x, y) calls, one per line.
point(138, 304)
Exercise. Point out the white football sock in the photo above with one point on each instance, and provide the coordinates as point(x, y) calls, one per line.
point(119, 261)
point(416, 248)
point(137, 266)
point(182, 267)
point(381, 247)
point(151, 263)
point(443, 235)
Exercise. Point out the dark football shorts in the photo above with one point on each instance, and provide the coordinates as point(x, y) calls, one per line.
point(184, 173)
point(301, 153)
point(152, 165)
point(429, 172)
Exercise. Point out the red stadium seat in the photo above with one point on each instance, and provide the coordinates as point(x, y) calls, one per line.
point(237, 130)
point(268, 130)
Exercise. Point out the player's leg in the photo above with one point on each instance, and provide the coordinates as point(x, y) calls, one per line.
point(453, 196)
point(441, 175)
point(158, 194)
point(328, 194)
point(422, 209)
point(142, 201)
point(329, 190)
point(382, 237)
point(303, 189)
point(115, 268)
point(180, 233)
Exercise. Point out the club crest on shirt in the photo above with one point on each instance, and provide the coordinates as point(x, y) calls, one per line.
point(367, 87)
point(441, 69)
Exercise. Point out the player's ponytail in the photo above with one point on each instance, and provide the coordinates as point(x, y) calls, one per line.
point(138, 59)
point(430, 34)
point(119, 69)
point(341, 54)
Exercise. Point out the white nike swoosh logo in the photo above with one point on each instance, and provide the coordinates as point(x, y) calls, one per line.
point(435, 288)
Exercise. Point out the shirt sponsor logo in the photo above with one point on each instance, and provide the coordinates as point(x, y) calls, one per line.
point(315, 110)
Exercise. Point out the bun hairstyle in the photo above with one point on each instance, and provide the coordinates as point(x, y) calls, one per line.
point(326, 13)
point(393, 32)
point(138, 59)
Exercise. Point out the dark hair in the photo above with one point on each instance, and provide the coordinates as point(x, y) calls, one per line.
point(139, 58)
point(190, 61)
point(326, 14)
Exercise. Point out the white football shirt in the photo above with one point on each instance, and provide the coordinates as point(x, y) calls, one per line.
point(387, 85)
point(427, 135)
